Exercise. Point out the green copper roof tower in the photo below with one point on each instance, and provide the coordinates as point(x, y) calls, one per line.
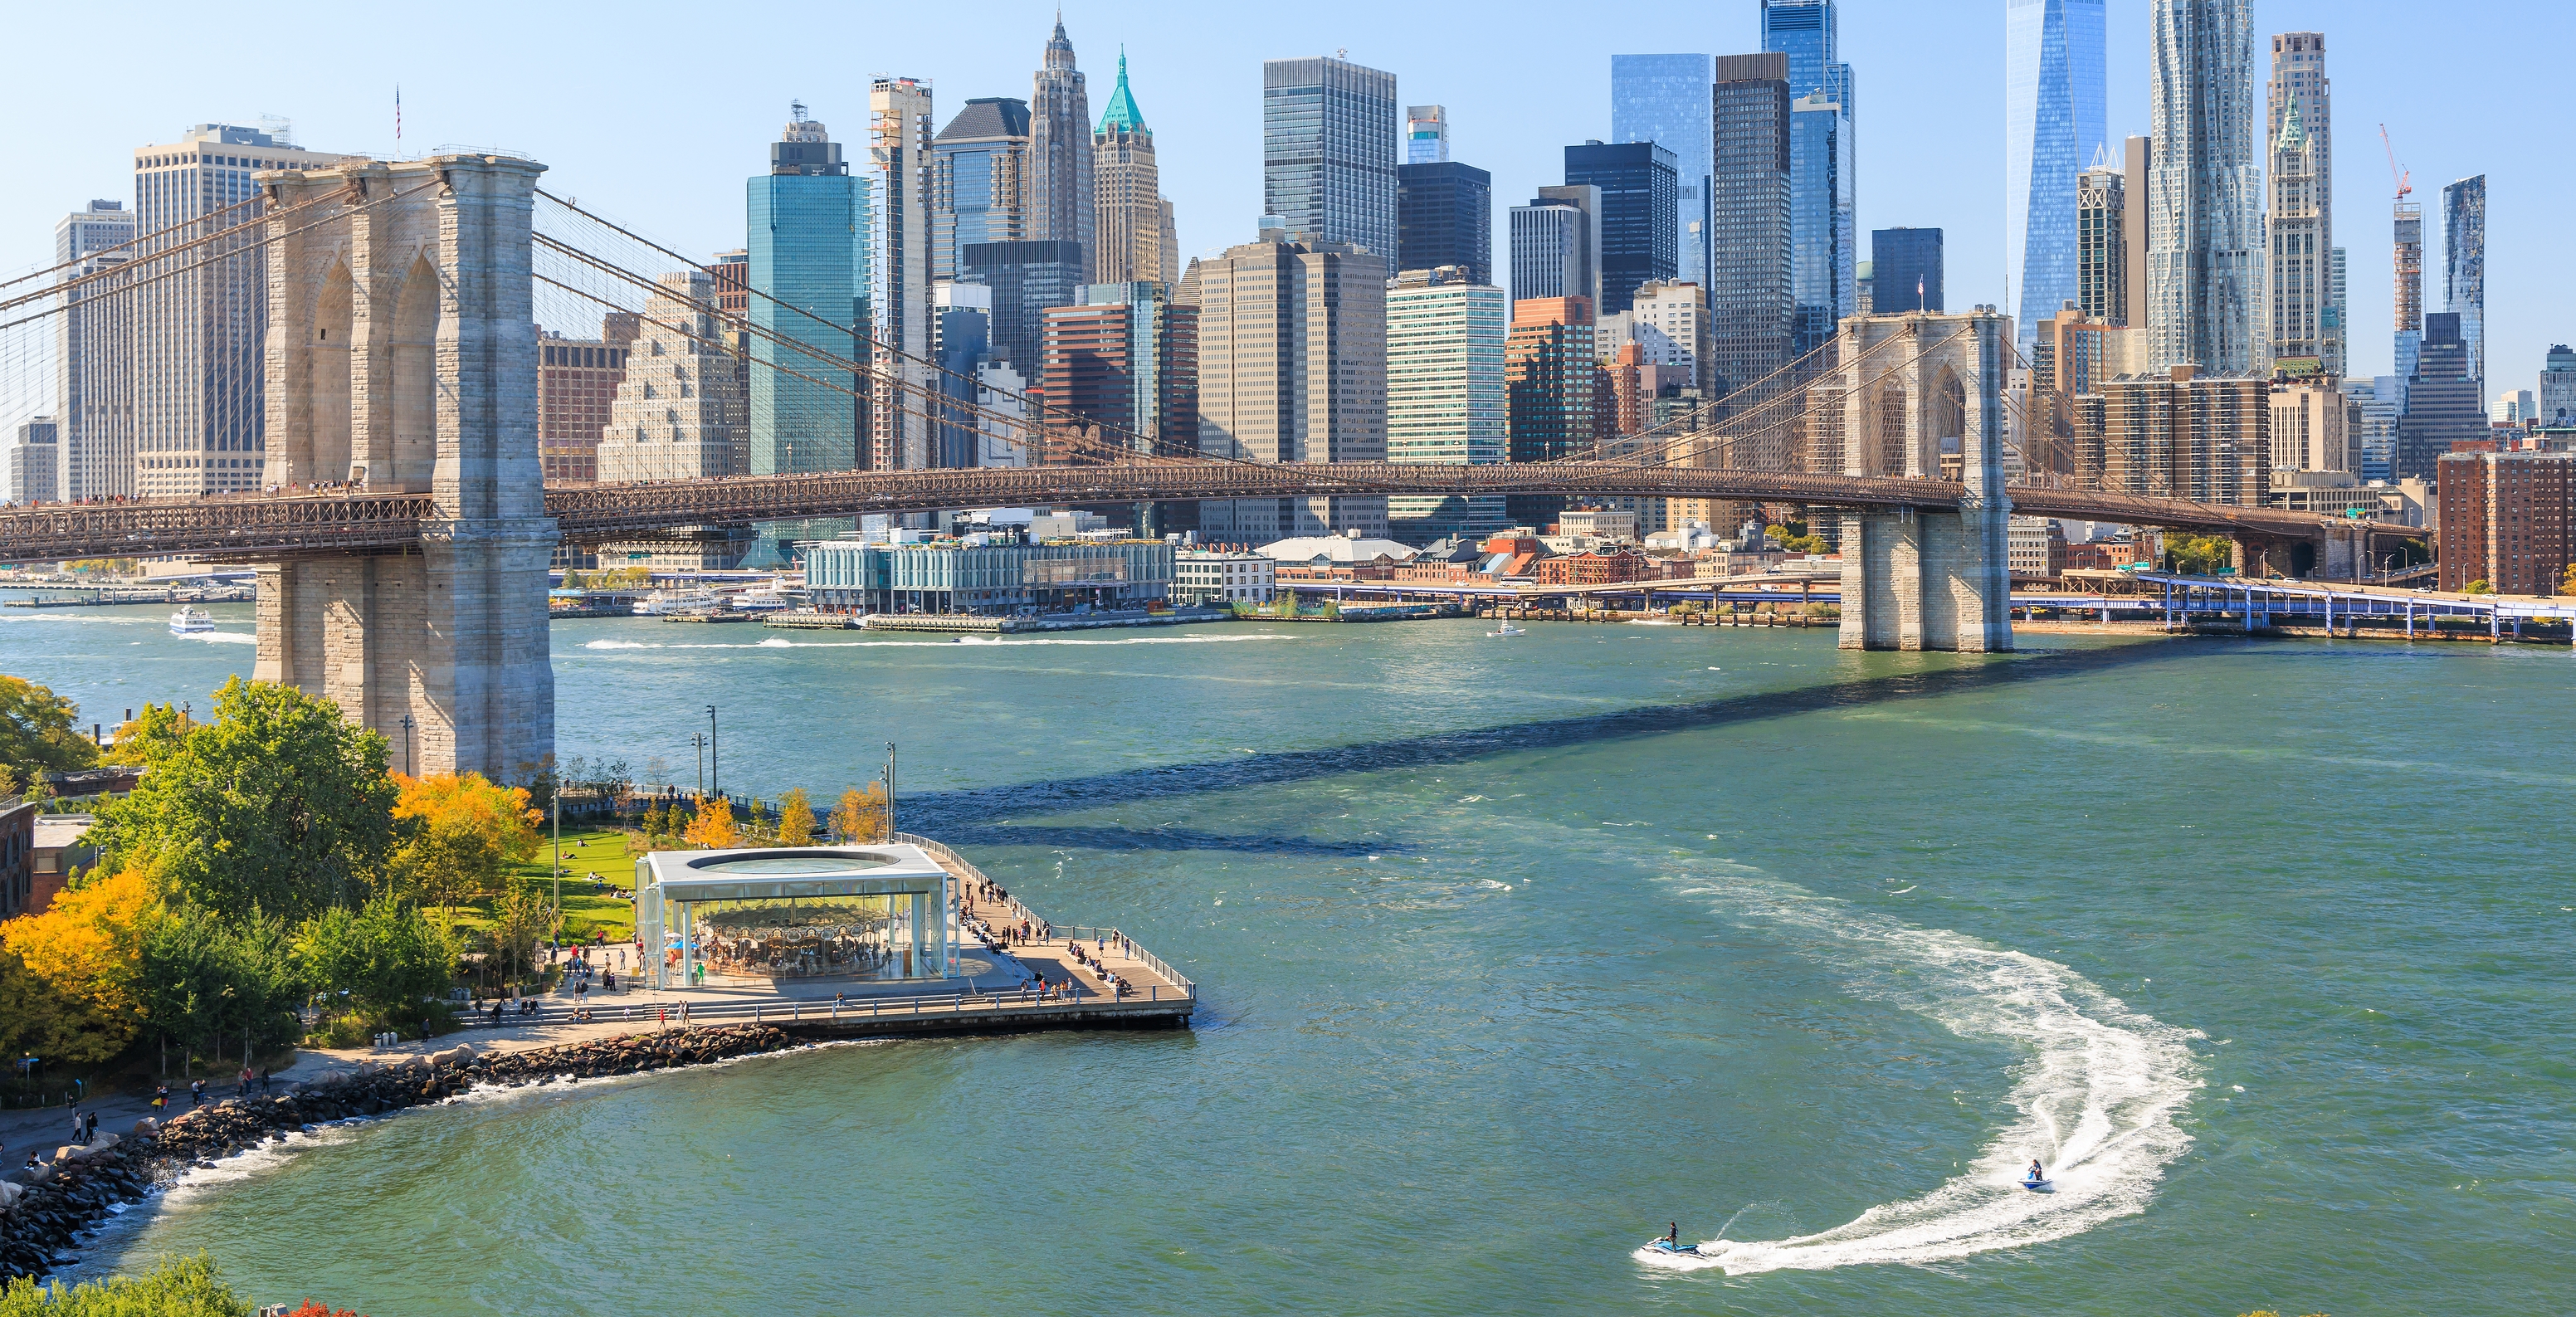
point(1121, 112)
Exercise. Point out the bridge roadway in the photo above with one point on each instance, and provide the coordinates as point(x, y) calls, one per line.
point(271, 526)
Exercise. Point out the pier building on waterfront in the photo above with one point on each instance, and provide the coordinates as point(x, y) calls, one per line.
point(975, 575)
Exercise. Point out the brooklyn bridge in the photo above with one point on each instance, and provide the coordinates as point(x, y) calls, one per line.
point(400, 379)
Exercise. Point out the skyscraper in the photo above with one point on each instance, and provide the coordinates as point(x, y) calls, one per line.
point(1556, 244)
point(1060, 191)
point(1640, 241)
point(2299, 77)
point(2443, 403)
point(898, 252)
point(200, 368)
point(1292, 368)
point(1549, 362)
point(2464, 266)
point(2558, 386)
point(1750, 303)
point(1026, 279)
point(676, 415)
point(1822, 147)
point(2101, 245)
point(2205, 191)
point(94, 357)
point(1328, 130)
point(1444, 215)
point(1426, 134)
point(1665, 99)
point(1905, 270)
point(2301, 259)
point(29, 466)
point(2409, 266)
point(979, 181)
point(1444, 396)
point(2053, 117)
point(1129, 215)
point(806, 226)
point(577, 383)
point(971, 371)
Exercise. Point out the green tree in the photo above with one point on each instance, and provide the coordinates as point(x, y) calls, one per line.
point(2198, 555)
point(207, 982)
point(519, 920)
point(279, 804)
point(2479, 586)
point(796, 819)
point(178, 1287)
point(36, 733)
point(387, 956)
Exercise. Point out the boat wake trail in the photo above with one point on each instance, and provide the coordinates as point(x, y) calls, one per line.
point(2097, 1097)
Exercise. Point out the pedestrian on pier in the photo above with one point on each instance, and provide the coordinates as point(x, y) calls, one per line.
point(196, 1094)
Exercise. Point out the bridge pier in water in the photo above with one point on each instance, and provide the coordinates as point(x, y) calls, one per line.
point(402, 353)
point(1917, 578)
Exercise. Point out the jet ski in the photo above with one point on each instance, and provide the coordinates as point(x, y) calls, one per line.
point(2039, 1186)
point(1663, 1245)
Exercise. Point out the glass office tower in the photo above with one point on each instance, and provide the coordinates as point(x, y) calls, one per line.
point(807, 234)
point(1665, 99)
point(1824, 255)
point(2053, 125)
point(1640, 241)
point(1328, 132)
point(2464, 266)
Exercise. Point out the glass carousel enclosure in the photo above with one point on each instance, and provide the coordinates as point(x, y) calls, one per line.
point(763, 917)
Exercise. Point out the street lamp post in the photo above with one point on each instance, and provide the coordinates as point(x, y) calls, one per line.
point(407, 726)
point(715, 779)
point(699, 739)
point(889, 790)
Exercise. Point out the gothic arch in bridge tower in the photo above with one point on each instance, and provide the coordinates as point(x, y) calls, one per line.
point(1920, 578)
point(325, 455)
point(415, 379)
point(401, 344)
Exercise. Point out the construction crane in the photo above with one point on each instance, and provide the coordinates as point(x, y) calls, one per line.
point(2405, 178)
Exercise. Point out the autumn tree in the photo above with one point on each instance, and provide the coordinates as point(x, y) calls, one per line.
point(861, 815)
point(148, 738)
point(68, 976)
point(36, 732)
point(713, 827)
point(795, 819)
point(459, 834)
point(279, 804)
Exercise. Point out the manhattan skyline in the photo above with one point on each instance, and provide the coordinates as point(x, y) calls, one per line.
point(675, 166)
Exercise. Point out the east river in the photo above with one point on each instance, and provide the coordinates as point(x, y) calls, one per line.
point(1515, 950)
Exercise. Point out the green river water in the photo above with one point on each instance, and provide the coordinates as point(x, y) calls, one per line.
point(1514, 950)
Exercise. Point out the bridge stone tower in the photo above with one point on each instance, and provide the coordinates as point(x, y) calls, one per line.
point(402, 357)
point(1914, 579)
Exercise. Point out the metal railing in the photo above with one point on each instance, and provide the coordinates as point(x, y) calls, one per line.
point(966, 869)
point(961, 1001)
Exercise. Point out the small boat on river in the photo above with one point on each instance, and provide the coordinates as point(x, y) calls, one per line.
point(191, 621)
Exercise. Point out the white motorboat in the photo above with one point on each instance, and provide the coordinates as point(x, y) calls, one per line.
point(764, 599)
point(1509, 630)
point(191, 621)
point(663, 603)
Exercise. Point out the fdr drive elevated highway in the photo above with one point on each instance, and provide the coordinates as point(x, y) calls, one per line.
point(258, 527)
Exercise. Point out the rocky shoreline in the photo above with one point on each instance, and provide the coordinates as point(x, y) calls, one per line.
point(42, 1212)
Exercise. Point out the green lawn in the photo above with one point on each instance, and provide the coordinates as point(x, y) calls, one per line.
point(584, 853)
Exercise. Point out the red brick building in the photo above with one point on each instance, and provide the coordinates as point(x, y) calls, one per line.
point(577, 379)
point(1598, 567)
point(2504, 518)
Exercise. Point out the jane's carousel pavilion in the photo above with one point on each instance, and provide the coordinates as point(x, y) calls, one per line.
point(877, 912)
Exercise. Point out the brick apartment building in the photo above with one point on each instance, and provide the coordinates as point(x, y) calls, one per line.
point(2504, 518)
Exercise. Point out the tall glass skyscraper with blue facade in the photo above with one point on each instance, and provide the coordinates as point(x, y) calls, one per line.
point(1665, 99)
point(979, 181)
point(2053, 125)
point(807, 234)
point(1822, 232)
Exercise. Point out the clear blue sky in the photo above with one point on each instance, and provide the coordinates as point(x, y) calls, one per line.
point(656, 112)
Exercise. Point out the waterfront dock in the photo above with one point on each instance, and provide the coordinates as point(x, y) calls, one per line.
point(977, 624)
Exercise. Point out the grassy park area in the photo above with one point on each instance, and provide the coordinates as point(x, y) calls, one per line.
point(587, 907)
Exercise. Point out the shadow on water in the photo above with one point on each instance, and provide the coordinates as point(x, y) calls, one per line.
point(1155, 839)
point(949, 812)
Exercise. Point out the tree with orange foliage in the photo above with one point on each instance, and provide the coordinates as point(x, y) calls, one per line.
point(713, 828)
point(68, 976)
point(460, 833)
point(861, 815)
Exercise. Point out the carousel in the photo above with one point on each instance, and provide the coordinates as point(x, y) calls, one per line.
point(750, 917)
